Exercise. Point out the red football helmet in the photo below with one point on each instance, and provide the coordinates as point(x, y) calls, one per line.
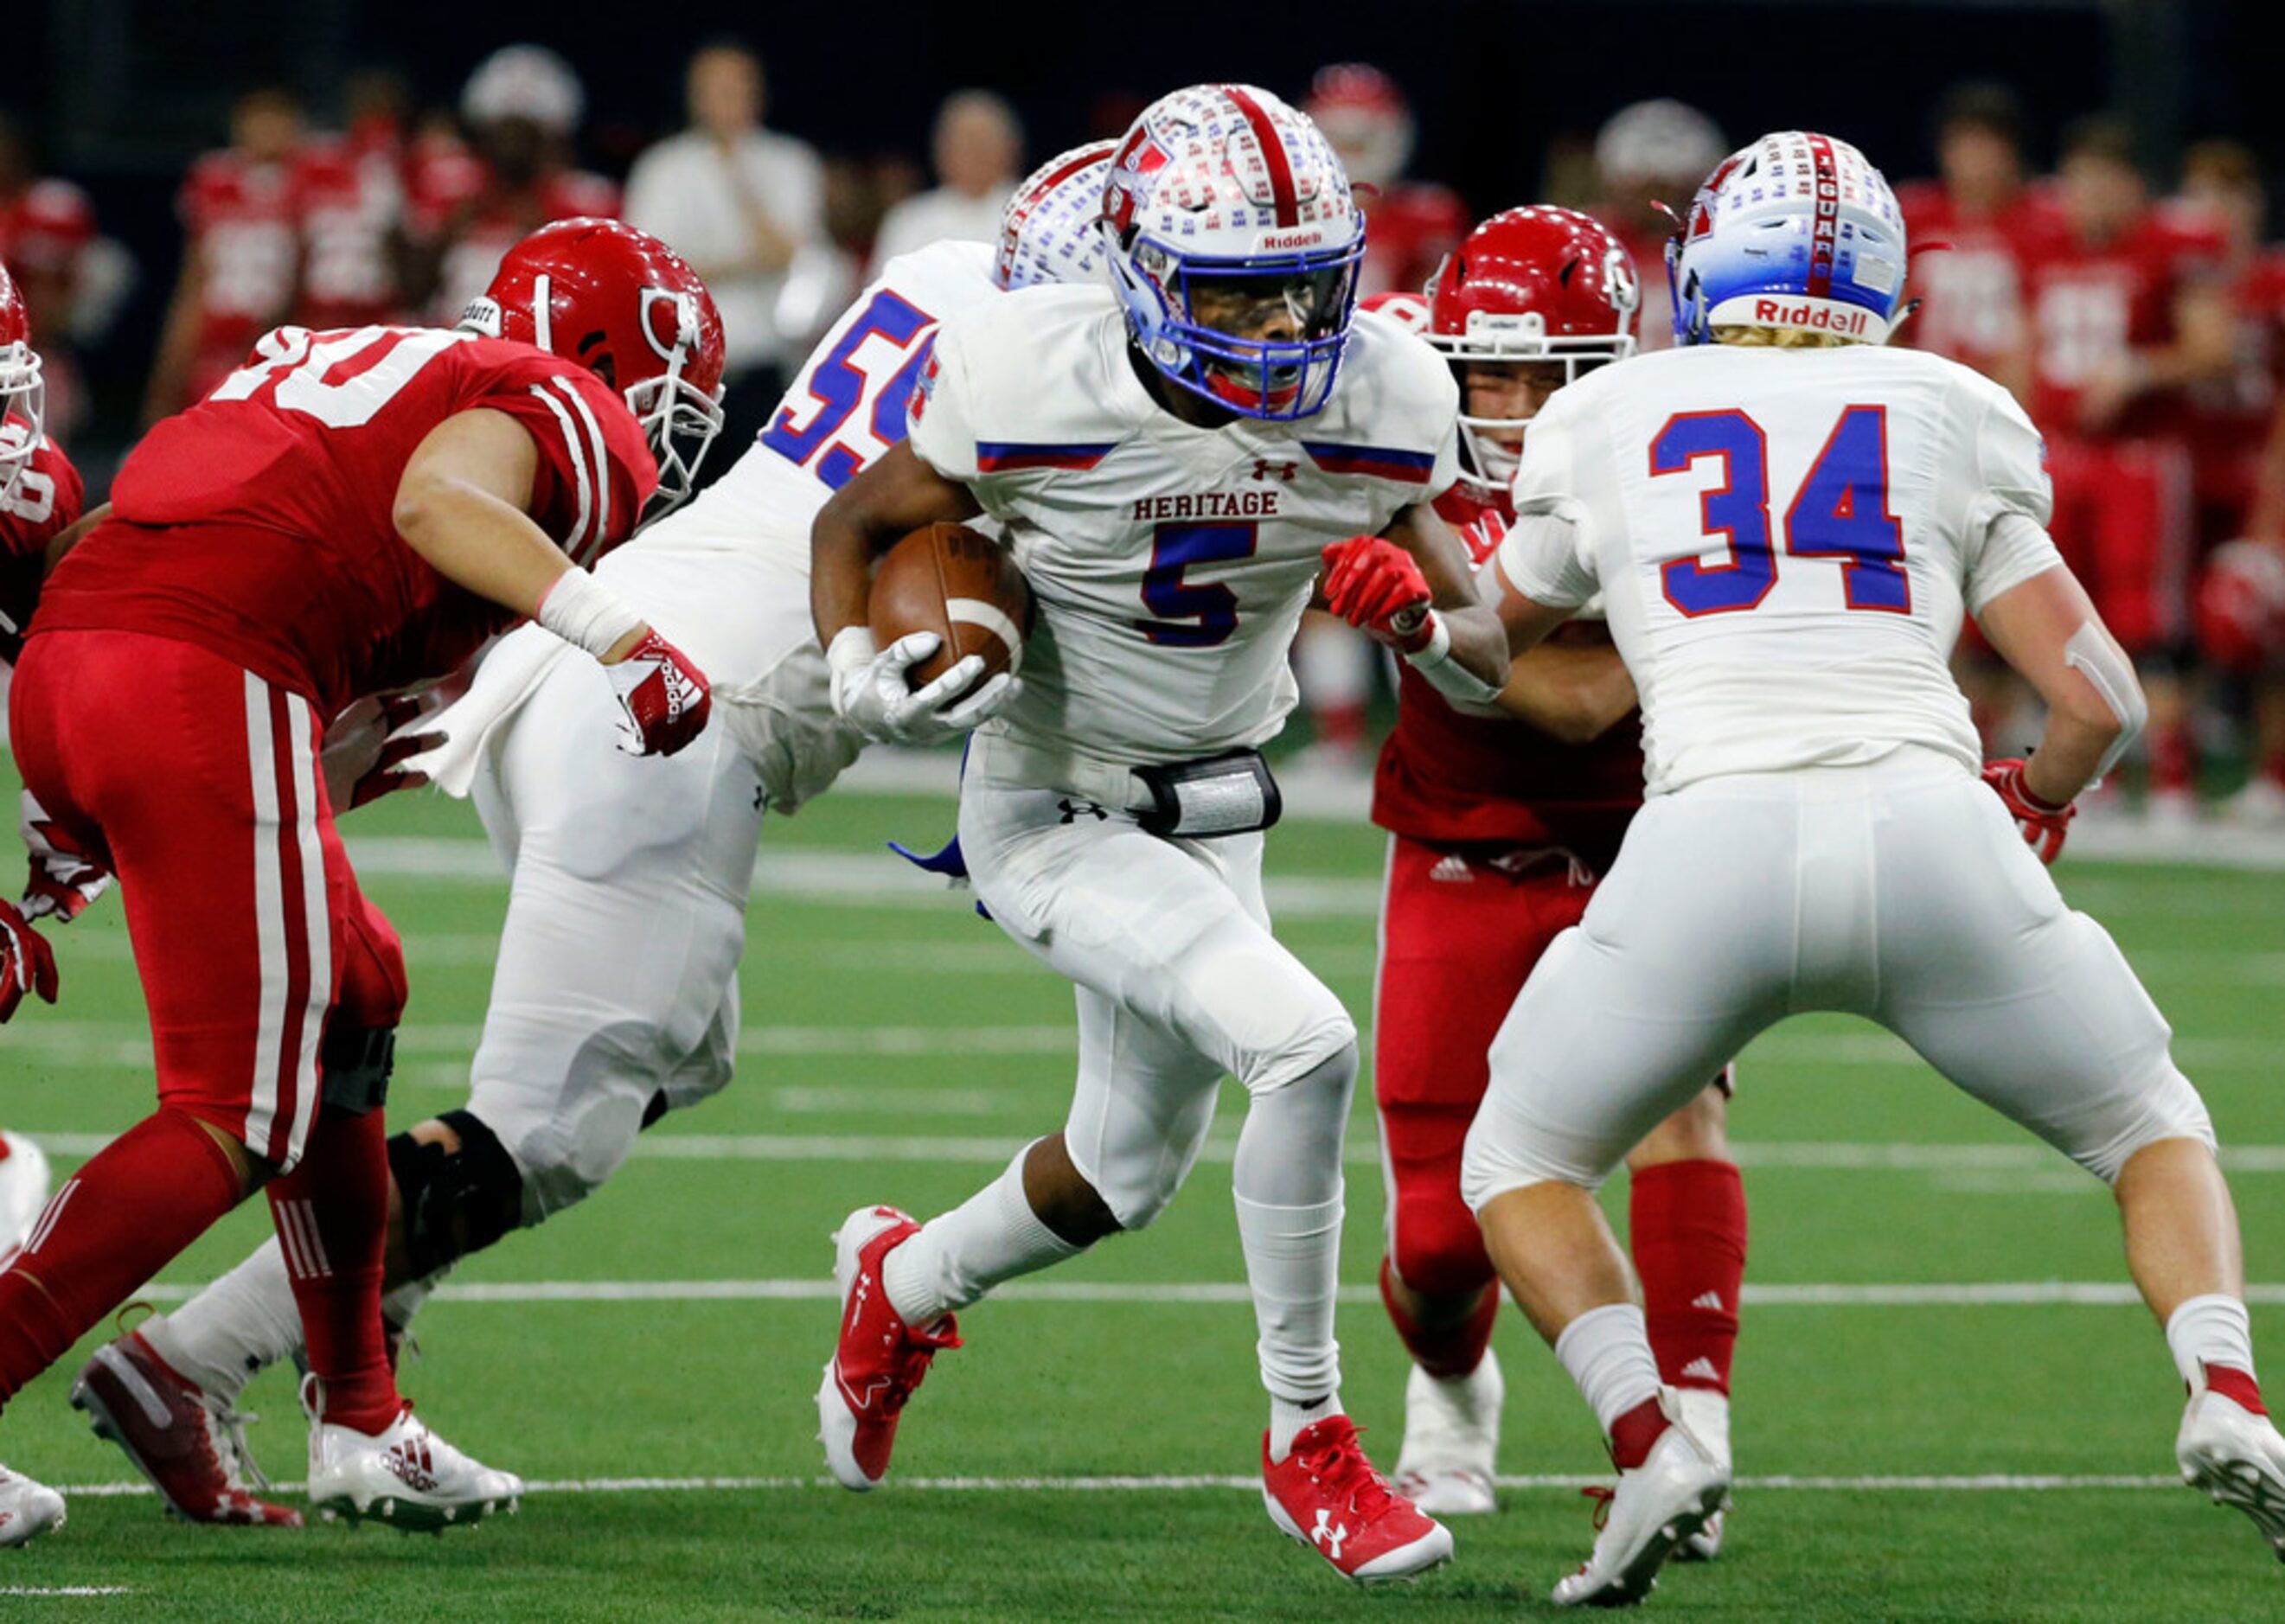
point(629, 310)
point(1365, 116)
point(2241, 607)
point(23, 399)
point(1530, 285)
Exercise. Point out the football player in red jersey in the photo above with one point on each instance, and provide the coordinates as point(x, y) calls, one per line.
point(2125, 314)
point(1499, 825)
point(239, 251)
point(348, 513)
point(1989, 220)
point(39, 499)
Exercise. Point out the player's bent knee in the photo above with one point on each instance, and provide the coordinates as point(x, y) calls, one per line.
point(2170, 1109)
point(1436, 1247)
point(1505, 1152)
point(457, 1201)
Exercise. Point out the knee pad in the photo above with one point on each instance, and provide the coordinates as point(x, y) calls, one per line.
point(2170, 1109)
point(455, 1201)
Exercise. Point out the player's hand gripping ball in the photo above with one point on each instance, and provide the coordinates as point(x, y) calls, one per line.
point(948, 613)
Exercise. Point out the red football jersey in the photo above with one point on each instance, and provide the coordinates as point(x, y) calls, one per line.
point(2229, 421)
point(349, 197)
point(46, 503)
point(239, 217)
point(1408, 230)
point(1447, 777)
point(1971, 293)
point(2091, 304)
point(453, 196)
point(258, 523)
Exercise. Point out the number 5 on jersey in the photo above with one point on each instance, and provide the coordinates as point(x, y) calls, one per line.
point(1841, 511)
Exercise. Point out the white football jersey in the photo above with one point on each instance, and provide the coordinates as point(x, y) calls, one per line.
point(1169, 564)
point(843, 409)
point(1784, 540)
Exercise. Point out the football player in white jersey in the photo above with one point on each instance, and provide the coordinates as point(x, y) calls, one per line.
point(1786, 521)
point(1174, 458)
point(579, 1052)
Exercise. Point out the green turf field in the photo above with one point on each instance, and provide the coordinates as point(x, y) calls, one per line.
point(897, 1049)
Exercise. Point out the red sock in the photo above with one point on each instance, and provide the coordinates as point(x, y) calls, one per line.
point(1688, 1223)
point(115, 1222)
point(1635, 1434)
point(1443, 1351)
point(2273, 769)
point(331, 1213)
point(2173, 757)
point(1341, 726)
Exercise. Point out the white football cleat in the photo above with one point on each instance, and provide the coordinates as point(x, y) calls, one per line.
point(1706, 1414)
point(1451, 1435)
point(23, 1189)
point(1656, 1506)
point(405, 1475)
point(28, 1509)
point(2237, 1457)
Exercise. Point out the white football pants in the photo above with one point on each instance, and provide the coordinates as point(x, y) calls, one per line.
point(1901, 892)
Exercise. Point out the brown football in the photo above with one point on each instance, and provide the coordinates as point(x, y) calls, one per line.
point(961, 585)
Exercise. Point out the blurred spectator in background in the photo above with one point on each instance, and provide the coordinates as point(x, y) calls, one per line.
point(349, 198)
point(744, 205)
point(1409, 225)
point(470, 204)
point(978, 152)
point(2125, 315)
point(240, 253)
point(1646, 154)
point(1984, 208)
point(70, 278)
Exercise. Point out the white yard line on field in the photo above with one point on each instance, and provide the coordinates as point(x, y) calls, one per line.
point(1973, 1294)
point(1962, 1483)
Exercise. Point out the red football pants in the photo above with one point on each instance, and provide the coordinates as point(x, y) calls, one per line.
point(2123, 522)
point(197, 784)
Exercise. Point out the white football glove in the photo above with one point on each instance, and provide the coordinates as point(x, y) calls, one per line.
point(872, 693)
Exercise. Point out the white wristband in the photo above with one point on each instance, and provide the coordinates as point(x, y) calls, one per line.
point(1445, 674)
point(586, 614)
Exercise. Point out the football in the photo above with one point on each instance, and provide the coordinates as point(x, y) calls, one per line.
point(961, 585)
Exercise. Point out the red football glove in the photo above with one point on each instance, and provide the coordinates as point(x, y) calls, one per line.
point(1375, 586)
point(27, 963)
point(665, 696)
point(2043, 825)
point(62, 881)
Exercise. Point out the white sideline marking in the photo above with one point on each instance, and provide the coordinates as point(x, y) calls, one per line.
point(1962, 1483)
point(67, 1590)
point(1974, 1294)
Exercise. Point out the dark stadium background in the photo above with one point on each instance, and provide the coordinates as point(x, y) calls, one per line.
point(120, 95)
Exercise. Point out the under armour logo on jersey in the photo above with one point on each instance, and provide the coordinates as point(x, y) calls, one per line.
point(1072, 810)
point(1263, 468)
point(1329, 1534)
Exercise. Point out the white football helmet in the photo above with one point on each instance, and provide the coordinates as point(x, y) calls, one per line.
point(1047, 230)
point(1224, 189)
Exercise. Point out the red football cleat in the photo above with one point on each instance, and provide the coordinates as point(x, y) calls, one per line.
point(1327, 1496)
point(185, 1439)
point(879, 1360)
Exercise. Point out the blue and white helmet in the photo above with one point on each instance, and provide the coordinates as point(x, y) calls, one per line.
point(1047, 230)
point(1222, 184)
point(1795, 230)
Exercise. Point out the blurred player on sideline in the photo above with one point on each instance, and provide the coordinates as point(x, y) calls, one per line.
point(1785, 520)
point(1176, 462)
point(1500, 822)
point(348, 513)
point(1648, 153)
point(581, 1050)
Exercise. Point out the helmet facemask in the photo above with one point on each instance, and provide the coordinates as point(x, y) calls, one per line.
point(23, 412)
point(679, 420)
point(1489, 462)
point(1280, 378)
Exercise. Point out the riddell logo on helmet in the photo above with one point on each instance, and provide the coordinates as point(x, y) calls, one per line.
point(1815, 318)
point(1292, 239)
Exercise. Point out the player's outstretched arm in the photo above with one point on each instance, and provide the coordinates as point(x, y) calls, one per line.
point(2047, 631)
point(461, 504)
point(883, 504)
point(1409, 588)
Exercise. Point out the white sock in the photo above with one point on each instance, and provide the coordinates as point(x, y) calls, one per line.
point(1287, 1419)
point(1292, 1264)
point(1607, 1352)
point(958, 1256)
point(2212, 1330)
point(238, 1326)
